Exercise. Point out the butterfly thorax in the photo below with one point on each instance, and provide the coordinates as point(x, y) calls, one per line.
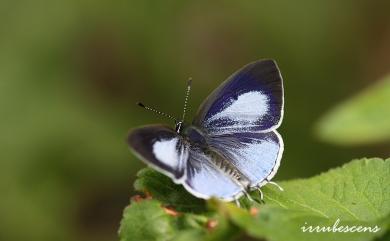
point(194, 135)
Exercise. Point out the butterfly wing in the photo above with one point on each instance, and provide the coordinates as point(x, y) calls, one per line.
point(240, 117)
point(249, 100)
point(162, 148)
point(205, 180)
point(165, 150)
point(256, 155)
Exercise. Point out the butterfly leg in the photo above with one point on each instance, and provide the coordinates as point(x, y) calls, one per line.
point(275, 184)
point(248, 196)
point(261, 193)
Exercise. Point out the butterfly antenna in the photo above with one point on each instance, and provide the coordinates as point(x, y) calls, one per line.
point(157, 111)
point(189, 83)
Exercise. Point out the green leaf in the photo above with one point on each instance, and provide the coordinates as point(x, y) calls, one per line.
point(146, 221)
point(362, 119)
point(162, 188)
point(357, 194)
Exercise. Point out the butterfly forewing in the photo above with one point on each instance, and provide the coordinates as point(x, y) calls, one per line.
point(249, 100)
point(162, 148)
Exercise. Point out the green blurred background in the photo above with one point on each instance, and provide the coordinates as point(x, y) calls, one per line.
point(71, 72)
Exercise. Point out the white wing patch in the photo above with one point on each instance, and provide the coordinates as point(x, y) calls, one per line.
point(166, 151)
point(248, 108)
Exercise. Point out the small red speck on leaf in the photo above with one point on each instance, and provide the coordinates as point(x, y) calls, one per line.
point(211, 224)
point(137, 198)
point(254, 211)
point(148, 195)
point(171, 212)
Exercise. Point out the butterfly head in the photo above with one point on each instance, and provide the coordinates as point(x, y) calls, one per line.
point(179, 126)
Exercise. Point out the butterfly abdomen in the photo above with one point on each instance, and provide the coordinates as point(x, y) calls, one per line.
point(229, 169)
point(197, 138)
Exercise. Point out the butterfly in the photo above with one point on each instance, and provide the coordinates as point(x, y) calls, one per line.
point(232, 146)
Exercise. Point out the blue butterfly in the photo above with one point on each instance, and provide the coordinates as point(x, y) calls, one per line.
point(232, 145)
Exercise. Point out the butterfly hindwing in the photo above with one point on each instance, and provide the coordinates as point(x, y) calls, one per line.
point(256, 155)
point(162, 148)
point(205, 179)
point(249, 100)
